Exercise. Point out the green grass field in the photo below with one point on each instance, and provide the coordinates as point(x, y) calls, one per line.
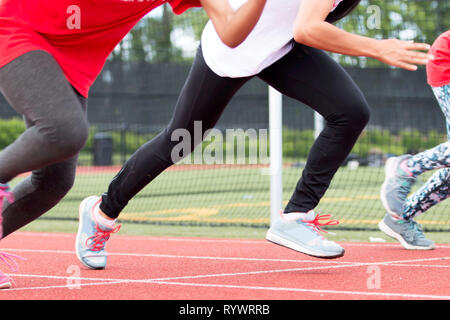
point(234, 202)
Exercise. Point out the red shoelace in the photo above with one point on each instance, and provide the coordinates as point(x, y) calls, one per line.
point(97, 241)
point(316, 224)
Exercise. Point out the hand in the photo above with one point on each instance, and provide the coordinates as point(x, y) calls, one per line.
point(402, 54)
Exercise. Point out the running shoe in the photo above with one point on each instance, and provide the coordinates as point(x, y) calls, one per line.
point(92, 236)
point(408, 232)
point(9, 196)
point(301, 232)
point(5, 281)
point(397, 185)
point(8, 259)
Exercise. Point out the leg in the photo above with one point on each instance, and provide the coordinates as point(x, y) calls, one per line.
point(438, 157)
point(434, 191)
point(402, 172)
point(435, 158)
point(203, 98)
point(35, 87)
point(41, 191)
point(37, 194)
point(312, 77)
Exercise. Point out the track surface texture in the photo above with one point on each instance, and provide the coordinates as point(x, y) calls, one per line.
point(158, 268)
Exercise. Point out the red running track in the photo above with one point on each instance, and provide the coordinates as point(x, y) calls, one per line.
point(154, 268)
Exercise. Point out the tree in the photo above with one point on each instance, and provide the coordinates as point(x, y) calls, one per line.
point(420, 20)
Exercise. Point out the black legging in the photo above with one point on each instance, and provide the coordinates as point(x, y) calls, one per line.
point(305, 74)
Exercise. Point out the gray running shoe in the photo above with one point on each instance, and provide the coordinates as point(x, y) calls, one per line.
point(301, 232)
point(397, 185)
point(408, 232)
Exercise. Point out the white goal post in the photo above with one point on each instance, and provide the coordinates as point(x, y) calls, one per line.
point(276, 151)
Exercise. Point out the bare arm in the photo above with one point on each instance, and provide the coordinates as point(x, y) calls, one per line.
point(311, 29)
point(233, 27)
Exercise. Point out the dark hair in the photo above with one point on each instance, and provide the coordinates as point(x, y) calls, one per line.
point(343, 9)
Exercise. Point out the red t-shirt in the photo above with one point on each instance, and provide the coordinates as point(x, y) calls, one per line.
point(438, 70)
point(80, 34)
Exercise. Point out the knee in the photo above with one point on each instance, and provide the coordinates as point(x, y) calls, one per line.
point(354, 118)
point(359, 114)
point(56, 181)
point(63, 186)
point(68, 138)
point(77, 136)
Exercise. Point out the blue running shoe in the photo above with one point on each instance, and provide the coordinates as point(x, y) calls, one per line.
point(301, 232)
point(92, 237)
point(408, 232)
point(397, 185)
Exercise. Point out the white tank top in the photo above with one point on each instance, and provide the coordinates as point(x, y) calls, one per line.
point(269, 41)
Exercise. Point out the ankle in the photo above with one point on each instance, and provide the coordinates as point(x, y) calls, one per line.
point(404, 165)
point(104, 215)
point(102, 218)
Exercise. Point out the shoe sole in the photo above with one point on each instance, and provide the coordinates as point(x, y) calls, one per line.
point(389, 171)
point(391, 233)
point(5, 285)
point(276, 239)
point(80, 223)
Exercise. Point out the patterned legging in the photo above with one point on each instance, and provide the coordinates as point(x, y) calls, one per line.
point(436, 189)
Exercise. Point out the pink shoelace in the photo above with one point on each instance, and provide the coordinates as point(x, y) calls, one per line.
point(4, 193)
point(97, 241)
point(8, 259)
point(316, 224)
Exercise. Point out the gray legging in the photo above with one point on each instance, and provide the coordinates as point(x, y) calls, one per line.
point(57, 128)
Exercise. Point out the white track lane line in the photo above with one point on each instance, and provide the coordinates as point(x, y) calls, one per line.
point(115, 280)
point(263, 242)
point(106, 281)
point(369, 293)
point(225, 286)
point(172, 256)
point(157, 255)
point(140, 238)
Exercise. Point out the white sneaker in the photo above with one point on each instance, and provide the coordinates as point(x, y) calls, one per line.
point(301, 232)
